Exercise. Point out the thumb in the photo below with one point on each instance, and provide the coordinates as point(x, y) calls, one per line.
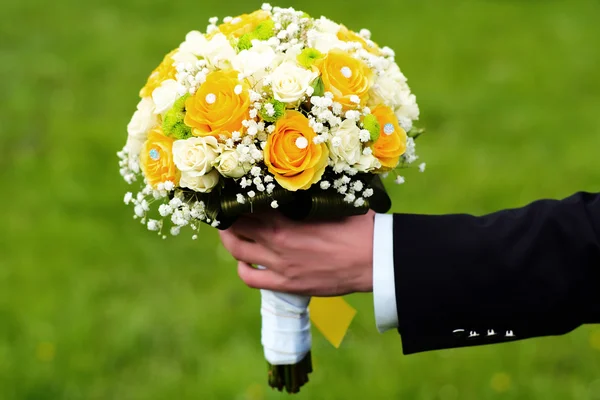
point(259, 278)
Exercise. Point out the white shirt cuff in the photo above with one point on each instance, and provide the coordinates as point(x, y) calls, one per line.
point(384, 286)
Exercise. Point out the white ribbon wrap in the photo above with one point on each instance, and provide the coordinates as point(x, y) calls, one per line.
point(286, 337)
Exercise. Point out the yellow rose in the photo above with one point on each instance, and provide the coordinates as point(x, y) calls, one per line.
point(156, 159)
point(292, 157)
point(216, 106)
point(347, 35)
point(391, 143)
point(164, 71)
point(239, 26)
point(345, 76)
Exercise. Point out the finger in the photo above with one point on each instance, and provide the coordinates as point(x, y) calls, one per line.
point(270, 218)
point(247, 227)
point(257, 230)
point(244, 250)
point(263, 278)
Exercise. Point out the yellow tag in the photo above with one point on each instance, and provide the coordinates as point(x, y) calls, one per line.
point(332, 316)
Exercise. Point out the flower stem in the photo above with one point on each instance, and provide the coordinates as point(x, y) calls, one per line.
point(290, 377)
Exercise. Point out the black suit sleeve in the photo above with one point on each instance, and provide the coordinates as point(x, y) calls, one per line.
point(463, 280)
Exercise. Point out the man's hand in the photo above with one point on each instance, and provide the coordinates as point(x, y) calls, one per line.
point(308, 258)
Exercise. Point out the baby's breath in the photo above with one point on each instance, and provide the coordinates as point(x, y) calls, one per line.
point(288, 36)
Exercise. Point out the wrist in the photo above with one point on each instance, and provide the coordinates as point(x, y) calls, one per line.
point(365, 282)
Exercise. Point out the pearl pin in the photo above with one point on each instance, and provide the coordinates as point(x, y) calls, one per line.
point(154, 154)
point(347, 72)
point(301, 142)
point(388, 128)
point(211, 98)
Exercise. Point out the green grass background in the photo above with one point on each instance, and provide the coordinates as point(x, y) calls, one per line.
point(92, 306)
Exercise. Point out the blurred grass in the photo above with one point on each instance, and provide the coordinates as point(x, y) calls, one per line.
point(94, 307)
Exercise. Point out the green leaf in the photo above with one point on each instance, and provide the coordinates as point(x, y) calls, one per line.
point(319, 87)
point(415, 132)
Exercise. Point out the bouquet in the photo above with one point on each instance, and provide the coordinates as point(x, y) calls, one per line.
point(269, 110)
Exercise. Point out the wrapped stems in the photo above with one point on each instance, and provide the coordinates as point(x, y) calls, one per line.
point(290, 377)
point(286, 339)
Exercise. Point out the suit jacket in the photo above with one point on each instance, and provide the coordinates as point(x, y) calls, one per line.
point(463, 280)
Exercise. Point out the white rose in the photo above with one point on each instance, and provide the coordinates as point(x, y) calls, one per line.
point(324, 42)
point(142, 121)
point(324, 36)
point(388, 86)
point(254, 60)
point(218, 51)
point(228, 164)
point(392, 89)
point(290, 82)
point(408, 107)
point(384, 91)
point(203, 183)
point(195, 43)
point(184, 58)
point(165, 96)
point(195, 156)
point(326, 25)
point(134, 145)
point(394, 71)
point(292, 53)
point(344, 144)
point(367, 163)
point(405, 123)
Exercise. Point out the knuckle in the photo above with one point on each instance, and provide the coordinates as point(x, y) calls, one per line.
point(295, 286)
point(287, 270)
point(286, 285)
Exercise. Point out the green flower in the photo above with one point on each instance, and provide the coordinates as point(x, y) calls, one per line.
point(277, 107)
point(308, 57)
point(371, 124)
point(245, 42)
point(173, 125)
point(265, 30)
